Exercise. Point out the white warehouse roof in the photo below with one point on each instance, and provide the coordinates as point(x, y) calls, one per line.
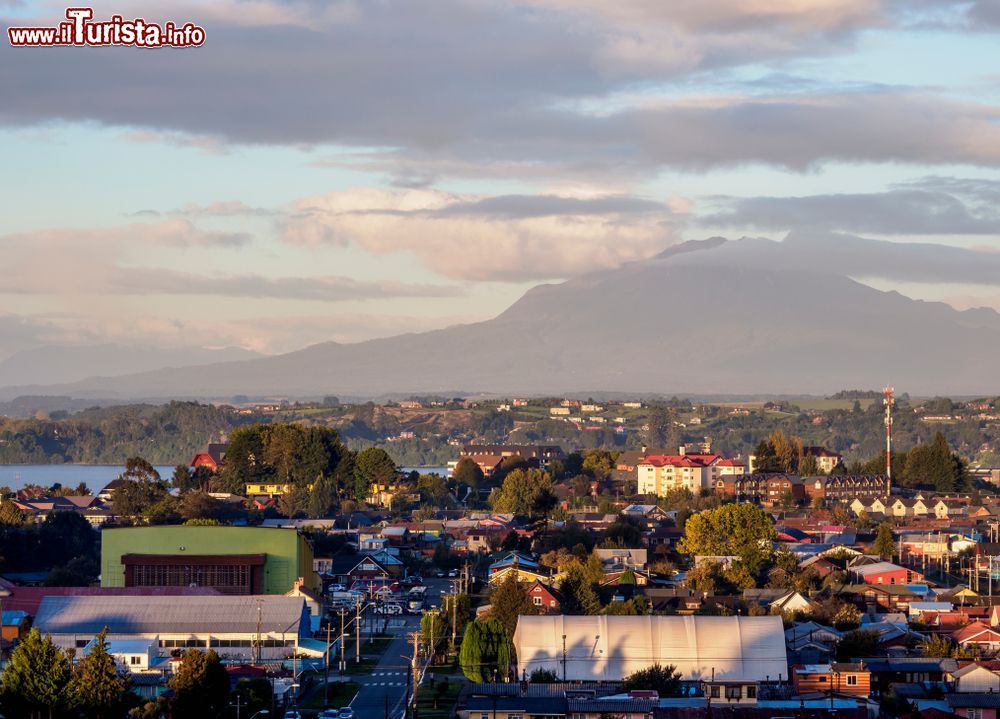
point(612, 647)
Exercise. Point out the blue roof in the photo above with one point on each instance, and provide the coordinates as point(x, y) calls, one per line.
point(13, 617)
point(513, 559)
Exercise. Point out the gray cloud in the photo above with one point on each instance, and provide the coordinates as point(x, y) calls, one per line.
point(142, 281)
point(929, 208)
point(845, 254)
point(453, 96)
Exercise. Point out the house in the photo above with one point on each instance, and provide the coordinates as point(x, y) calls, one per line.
point(138, 655)
point(647, 512)
point(837, 677)
point(522, 567)
point(886, 573)
point(825, 459)
point(978, 634)
point(779, 600)
point(846, 488)
point(588, 648)
point(657, 475)
point(811, 643)
point(887, 671)
point(545, 598)
point(212, 458)
point(980, 705)
point(269, 490)
point(622, 558)
point(974, 677)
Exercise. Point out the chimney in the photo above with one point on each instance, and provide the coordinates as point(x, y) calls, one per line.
point(682, 450)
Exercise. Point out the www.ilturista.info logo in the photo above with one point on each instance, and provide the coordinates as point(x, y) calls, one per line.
point(81, 30)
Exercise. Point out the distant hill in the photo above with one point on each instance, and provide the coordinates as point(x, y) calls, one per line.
point(56, 365)
point(713, 317)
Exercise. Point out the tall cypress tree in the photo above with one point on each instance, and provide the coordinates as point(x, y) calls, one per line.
point(36, 682)
point(100, 686)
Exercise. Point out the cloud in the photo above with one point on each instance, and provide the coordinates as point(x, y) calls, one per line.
point(511, 238)
point(931, 207)
point(859, 257)
point(453, 96)
point(112, 261)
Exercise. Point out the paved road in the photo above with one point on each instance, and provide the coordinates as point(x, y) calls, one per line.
point(387, 680)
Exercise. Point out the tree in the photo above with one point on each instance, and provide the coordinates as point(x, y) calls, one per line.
point(627, 577)
point(808, 466)
point(625, 532)
point(434, 490)
point(432, 627)
point(371, 466)
point(884, 545)
point(322, 497)
point(937, 646)
point(37, 678)
point(201, 685)
point(742, 530)
point(253, 695)
point(200, 505)
point(665, 680)
point(100, 686)
point(857, 644)
point(579, 595)
point(136, 496)
point(139, 468)
point(787, 450)
point(543, 676)
point(11, 515)
point(183, 478)
point(521, 492)
point(765, 458)
point(487, 651)
point(508, 601)
point(467, 472)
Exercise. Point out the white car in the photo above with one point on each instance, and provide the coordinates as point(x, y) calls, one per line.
point(389, 609)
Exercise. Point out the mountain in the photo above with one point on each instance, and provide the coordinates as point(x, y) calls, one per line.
point(55, 364)
point(712, 317)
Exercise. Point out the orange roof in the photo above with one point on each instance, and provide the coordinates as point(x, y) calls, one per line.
point(681, 460)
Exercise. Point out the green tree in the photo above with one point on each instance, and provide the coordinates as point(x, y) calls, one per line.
point(765, 458)
point(100, 686)
point(201, 685)
point(884, 545)
point(36, 681)
point(200, 505)
point(625, 532)
point(322, 497)
point(434, 490)
point(741, 530)
point(487, 651)
point(508, 600)
point(253, 695)
point(139, 468)
point(467, 472)
point(857, 644)
point(579, 595)
point(627, 577)
point(432, 627)
point(543, 676)
point(521, 492)
point(937, 646)
point(11, 515)
point(136, 496)
point(372, 466)
point(183, 478)
point(808, 466)
point(665, 680)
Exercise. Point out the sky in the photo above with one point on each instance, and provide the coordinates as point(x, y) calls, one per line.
point(346, 170)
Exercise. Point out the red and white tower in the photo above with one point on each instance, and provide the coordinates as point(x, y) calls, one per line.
point(888, 401)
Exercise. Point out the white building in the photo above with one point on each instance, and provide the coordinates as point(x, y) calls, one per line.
point(609, 648)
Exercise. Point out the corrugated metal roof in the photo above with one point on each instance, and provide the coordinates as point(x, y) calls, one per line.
point(612, 647)
point(169, 615)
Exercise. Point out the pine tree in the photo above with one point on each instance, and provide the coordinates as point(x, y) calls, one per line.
point(100, 685)
point(201, 685)
point(37, 678)
point(487, 651)
point(884, 546)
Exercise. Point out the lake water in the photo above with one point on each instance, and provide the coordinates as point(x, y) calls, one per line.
point(95, 476)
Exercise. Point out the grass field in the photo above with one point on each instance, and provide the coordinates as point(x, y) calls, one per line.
point(825, 404)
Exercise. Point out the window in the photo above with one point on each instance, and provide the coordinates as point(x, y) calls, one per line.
point(822, 680)
point(974, 713)
point(515, 716)
point(484, 715)
point(715, 691)
point(734, 692)
point(852, 680)
point(751, 692)
point(134, 660)
point(537, 601)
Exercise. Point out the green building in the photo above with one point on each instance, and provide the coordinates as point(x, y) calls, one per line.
point(233, 560)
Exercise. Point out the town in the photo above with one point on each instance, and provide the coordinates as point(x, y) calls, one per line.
point(280, 572)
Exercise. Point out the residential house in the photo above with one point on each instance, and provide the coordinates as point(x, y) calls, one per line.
point(523, 568)
point(978, 634)
point(886, 573)
point(825, 459)
point(777, 600)
point(982, 705)
point(837, 677)
point(545, 598)
point(212, 458)
point(974, 677)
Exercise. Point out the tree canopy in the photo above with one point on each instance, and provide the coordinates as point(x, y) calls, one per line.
point(742, 530)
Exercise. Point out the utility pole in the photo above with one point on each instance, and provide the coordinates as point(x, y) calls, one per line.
point(564, 657)
point(260, 623)
point(454, 620)
point(326, 667)
point(342, 613)
point(416, 676)
point(888, 402)
point(357, 633)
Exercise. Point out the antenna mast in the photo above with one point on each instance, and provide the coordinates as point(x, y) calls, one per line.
point(888, 401)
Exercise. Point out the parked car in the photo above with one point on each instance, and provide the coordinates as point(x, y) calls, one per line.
point(329, 714)
point(337, 588)
point(439, 573)
point(346, 713)
point(292, 714)
point(453, 573)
